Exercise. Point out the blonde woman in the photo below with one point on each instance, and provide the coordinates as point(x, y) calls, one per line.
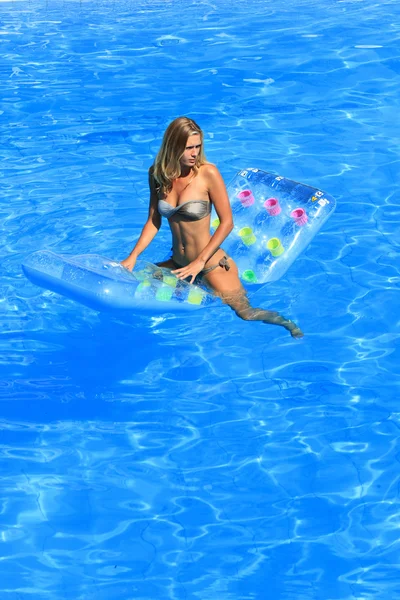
point(183, 187)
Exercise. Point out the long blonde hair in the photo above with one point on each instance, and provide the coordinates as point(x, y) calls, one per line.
point(166, 166)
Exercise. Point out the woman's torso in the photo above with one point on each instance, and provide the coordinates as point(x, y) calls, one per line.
point(188, 214)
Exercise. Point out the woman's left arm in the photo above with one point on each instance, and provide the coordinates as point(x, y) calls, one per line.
point(219, 197)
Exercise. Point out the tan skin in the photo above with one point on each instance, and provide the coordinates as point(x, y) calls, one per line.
point(193, 246)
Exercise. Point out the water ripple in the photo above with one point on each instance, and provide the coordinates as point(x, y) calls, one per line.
point(199, 457)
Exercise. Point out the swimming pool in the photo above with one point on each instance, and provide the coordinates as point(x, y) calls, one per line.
point(200, 457)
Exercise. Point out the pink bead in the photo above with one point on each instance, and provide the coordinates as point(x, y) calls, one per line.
point(246, 198)
point(300, 216)
point(272, 206)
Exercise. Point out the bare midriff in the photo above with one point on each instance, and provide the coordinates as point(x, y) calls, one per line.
point(189, 239)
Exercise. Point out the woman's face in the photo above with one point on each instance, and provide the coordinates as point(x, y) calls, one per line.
point(193, 145)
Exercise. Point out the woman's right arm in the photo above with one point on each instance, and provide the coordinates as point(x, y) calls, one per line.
point(150, 229)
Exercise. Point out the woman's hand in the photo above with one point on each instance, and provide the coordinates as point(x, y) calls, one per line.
point(191, 270)
point(129, 263)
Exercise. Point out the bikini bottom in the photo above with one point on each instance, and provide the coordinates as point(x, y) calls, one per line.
point(221, 263)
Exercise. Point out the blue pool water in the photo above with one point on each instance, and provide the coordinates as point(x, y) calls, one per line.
point(199, 456)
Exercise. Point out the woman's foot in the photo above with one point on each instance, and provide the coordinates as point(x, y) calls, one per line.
point(293, 329)
point(289, 325)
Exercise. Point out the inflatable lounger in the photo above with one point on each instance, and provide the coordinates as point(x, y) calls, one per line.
point(105, 285)
point(275, 220)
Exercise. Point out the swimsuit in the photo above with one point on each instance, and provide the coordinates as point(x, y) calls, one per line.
point(221, 263)
point(192, 210)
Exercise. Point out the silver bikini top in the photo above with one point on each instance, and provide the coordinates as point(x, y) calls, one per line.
point(192, 210)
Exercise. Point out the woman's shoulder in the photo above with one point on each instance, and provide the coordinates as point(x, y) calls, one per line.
point(208, 170)
point(210, 173)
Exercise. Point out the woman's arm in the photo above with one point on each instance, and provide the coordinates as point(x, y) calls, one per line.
point(150, 229)
point(219, 198)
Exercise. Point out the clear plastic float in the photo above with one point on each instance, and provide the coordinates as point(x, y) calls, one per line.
point(275, 220)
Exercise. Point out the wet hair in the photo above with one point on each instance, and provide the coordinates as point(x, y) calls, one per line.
point(166, 166)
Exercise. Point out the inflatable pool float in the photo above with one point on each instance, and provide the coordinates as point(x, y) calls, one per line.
point(275, 220)
point(105, 285)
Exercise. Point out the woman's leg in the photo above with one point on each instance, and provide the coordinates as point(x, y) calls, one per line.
point(242, 307)
point(227, 285)
point(168, 264)
point(165, 264)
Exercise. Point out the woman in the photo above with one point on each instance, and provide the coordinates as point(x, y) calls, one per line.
point(183, 186)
